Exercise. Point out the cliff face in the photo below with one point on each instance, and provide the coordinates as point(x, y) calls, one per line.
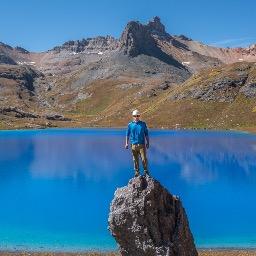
point(99, 43)
point(139, 39)
point(145, 219)
point(223, 84)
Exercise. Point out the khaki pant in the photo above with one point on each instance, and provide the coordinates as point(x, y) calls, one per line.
point(139, 150)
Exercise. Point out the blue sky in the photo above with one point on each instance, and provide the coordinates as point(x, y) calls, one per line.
point(39, 25)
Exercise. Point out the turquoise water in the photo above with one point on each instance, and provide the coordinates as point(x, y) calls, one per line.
point(56, 185)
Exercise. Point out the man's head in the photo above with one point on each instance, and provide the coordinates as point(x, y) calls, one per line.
point(136, 115)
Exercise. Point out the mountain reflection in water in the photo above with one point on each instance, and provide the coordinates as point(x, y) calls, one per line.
point(56, 184)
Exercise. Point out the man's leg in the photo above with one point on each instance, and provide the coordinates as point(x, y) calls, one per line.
point(144, 159)
point(135, 155)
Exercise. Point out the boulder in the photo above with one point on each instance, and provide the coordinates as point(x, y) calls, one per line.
point(19, 113)
point(146, 220)
point(57, 117)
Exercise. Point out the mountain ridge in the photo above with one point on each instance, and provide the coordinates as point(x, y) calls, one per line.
point(154, 25)
point(86, 79)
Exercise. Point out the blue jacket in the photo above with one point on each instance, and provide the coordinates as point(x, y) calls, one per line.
point(137, 132)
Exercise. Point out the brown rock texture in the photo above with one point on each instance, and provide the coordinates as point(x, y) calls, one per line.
point(145, 219)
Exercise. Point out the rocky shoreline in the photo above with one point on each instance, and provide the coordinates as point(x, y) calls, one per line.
point(247, 129)
point(202, 252)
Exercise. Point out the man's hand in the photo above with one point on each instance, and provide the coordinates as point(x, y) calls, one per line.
point(147, 145)
point(126, 146)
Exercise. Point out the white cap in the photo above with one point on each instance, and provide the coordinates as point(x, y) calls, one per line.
point(135, 112)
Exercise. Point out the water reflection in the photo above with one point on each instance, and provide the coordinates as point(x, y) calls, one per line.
point(203, 159)
point(62, 181)
point(96, 157)
point(200, 158)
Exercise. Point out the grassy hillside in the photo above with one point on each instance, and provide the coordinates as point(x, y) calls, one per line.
point(219, 98)
point(225, 106)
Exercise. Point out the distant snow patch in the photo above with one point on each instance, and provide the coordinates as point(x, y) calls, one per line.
point(32, 63)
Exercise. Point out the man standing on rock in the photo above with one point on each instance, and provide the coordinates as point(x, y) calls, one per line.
point(137, 131)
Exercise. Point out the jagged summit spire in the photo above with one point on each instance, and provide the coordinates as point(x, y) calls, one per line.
point(156, 26)
point(138, 38)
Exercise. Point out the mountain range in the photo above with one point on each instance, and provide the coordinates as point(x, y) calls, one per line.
point(175, 82)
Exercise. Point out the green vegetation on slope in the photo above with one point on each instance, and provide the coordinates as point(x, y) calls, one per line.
point(220, 98)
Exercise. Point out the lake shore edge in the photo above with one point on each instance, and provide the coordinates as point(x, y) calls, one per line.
point(201, 252)
point(251, 130)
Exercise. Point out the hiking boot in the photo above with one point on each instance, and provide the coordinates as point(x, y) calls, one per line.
point(146, 172)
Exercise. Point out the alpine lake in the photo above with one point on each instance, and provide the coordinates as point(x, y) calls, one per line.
point(56, 185)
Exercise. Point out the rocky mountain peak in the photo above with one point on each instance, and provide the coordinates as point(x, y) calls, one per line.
point(156, 27)
point(252, 49)
point(185, 38)
point(252, 46)
point(136, 39)
point(21, 50)
point(6, 46)
point(99, 43)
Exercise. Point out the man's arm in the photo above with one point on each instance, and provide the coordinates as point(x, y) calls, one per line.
point(128, 131)
point(126, 141)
